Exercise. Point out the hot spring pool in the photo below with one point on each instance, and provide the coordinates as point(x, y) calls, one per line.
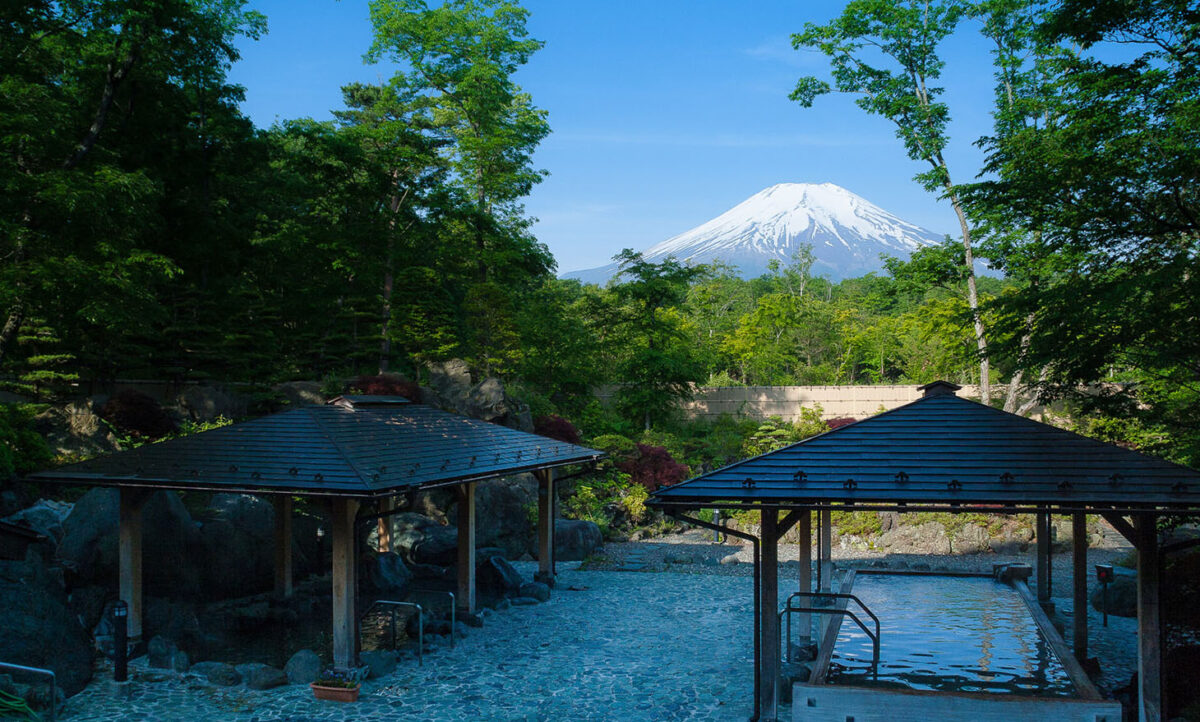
point(948, 634)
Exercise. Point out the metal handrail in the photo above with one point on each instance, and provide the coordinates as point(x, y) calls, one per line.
point(453, 609)
point(38, 671)
point(788, 608)
point(420, 623)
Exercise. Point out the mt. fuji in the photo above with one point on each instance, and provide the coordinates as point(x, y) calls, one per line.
point(847, 233)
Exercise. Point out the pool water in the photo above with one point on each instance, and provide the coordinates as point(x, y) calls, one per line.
point(947, 634)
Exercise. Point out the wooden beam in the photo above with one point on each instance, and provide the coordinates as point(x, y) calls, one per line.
point(804, 619)
point(1150, 696)
point(789, 521)
point(769, 608)
point(343, 512)
point(825, 551)
point(283, 544)
point(1122, 525)
point(1079, 582)
point(129, 543)
point(466, 547)
point(1042, 529)
point(1083, 684)
point(545, 525)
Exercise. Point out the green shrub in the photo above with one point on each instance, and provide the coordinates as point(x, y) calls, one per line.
point(22, 449)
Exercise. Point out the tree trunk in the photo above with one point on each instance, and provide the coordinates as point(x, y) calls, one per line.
point(389, 271)
point(972, 295)
point(112, 81)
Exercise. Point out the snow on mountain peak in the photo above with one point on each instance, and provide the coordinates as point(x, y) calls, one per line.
point(848, 233)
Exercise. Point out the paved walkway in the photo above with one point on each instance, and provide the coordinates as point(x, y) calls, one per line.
point(607, 646)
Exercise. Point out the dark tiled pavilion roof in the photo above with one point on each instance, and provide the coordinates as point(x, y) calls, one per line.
point(943, 450)
point(355, 446)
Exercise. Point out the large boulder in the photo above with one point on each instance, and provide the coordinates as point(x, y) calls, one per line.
point(239, 539)
point(496, 577)
point(300, 393)
point(501, 515)
point(205, 403)
point(1121, 597)
point(451, 388)
point(575, 539)
point(46, 517)
point(386, 572)
point(421, 540)
point(218, 673)
point(971, 539)
point(303, 667)
point(39, 629)
point(257, 675)
point(172, 548)
point(76, 430)
point(927, 538)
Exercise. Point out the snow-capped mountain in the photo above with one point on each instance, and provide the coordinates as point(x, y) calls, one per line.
point(847, 232)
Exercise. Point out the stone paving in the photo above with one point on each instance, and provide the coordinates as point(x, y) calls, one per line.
point(607, 646)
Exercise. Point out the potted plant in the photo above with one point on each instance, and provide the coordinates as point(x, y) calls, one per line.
point(336, 685)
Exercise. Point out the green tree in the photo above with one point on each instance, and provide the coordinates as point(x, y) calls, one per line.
point(656, 366)
point(886, 53)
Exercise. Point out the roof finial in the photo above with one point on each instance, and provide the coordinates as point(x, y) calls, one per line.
point(939, 388)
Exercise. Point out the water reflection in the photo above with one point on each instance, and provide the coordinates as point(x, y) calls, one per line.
point(948, 634)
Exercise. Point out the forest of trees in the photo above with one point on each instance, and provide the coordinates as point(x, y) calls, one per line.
point(148, 229)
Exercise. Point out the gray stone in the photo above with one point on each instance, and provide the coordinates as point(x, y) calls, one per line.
point(239, 541)
point(927, 538)
point(382, 662)
point(421, 540)
point(300, 393)
point(575, 539)
point(730, 559)
point(500, 514)
point(39, 628)
point(1122, 596)
point(218, 673)
point(387, 572)
point(303, 667)
point(45, 517)
point(971, 539)
point(537, 590)
point(496, 576)
point(257, 675)
point(160, 652)
point(205, 403)
point(179, 661)
point(75, 430)
point(524, 601)
point(173, 553)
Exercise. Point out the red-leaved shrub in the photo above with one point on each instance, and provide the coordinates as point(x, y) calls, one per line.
point(840, 422)
point(387, 385)
point(654, 467)
point(136, 413)
point(558, 428)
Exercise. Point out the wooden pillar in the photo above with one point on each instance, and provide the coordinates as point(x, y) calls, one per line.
point(769, 625)
point(283, 544)
point(1079, 581)
point(1150, 696)
point(384, 525)
point(803, 619)
point(345, 617)
point(545, 525)
point(825, 550)
point(466, 547)
point(130, 556)
point(1042, 529)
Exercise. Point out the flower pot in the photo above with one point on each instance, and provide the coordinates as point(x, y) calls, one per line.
point(335, 694)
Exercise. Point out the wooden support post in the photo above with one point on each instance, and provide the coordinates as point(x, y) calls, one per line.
point(1042, 529)
point(345, 617)
point(466, 547)
point(1079, 580)
point(804, 619)
point(825, 550)
point(283, 544)
point(130, 556)
point(545, 525)
point(383, 527)
point(769, 608)
point(1150, 696)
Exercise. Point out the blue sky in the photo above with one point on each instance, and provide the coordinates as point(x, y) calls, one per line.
point(664, 113)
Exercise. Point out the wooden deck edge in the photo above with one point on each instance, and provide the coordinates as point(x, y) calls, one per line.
point(917, 573)
point(1083, 684)
point(835, 703)
point(833, 625)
